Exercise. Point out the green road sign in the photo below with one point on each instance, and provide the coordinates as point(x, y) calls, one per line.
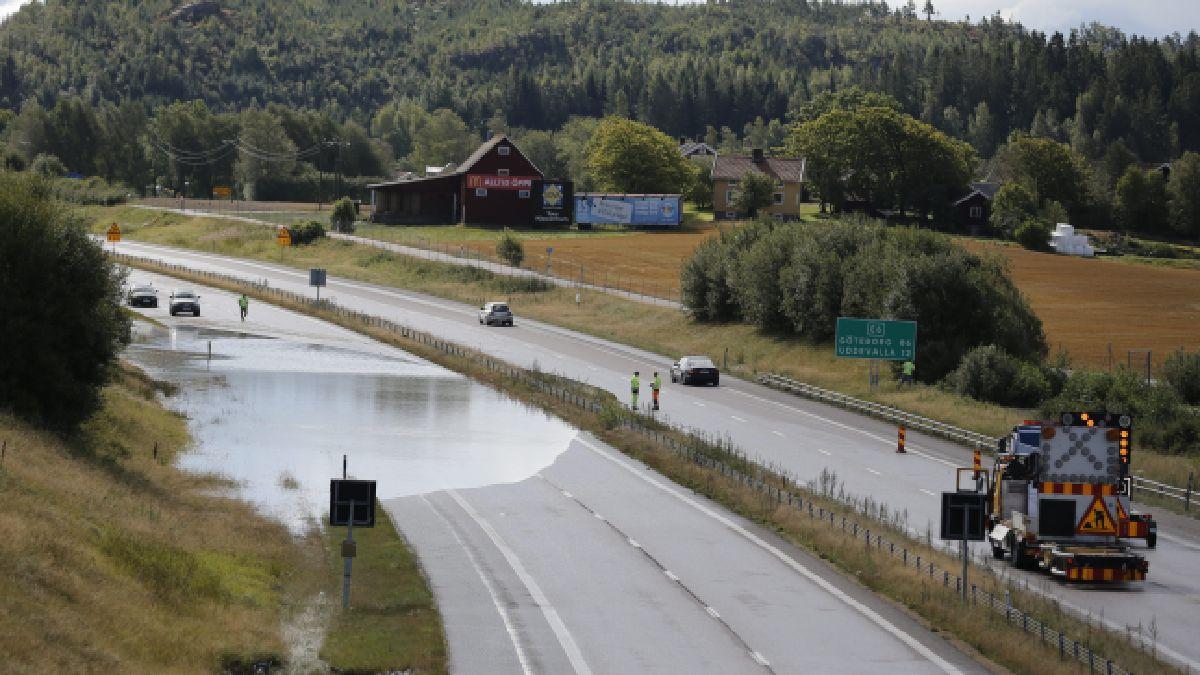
point(876, 339)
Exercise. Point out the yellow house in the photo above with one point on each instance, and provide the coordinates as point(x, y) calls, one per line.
point(788, 174)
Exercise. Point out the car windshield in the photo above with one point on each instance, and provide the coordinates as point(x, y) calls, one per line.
point(700, 362)
point(143, 289)
point(499, 308)
point(185, 294)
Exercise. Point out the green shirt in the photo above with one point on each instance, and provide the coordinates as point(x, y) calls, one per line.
point(633, 384)
point(909, 368)
point(243, 302)
point(657, 383)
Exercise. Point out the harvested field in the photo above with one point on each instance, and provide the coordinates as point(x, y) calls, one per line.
point(1088, 305)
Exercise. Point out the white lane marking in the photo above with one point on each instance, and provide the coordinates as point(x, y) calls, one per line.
point(874, 471)
point(598, 516)
point(712, 612)
point(927, 492)
point(760, 659)
point(698, 403)
point(671, 575)
point(561, 632)
point(634, 543)
point(592, 368)
point(824, 452)
point(508, 624)
point(1178, 540)
point(737, 418)
point(777, 433)
point(825, 585)
point(568, 495)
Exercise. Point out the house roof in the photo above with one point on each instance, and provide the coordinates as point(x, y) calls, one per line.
point(984, 189)
point(464, 168)
point(694, 148)
point(733, 167)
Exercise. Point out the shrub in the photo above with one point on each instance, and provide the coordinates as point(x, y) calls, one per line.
point(1160, 418)
point(307, 233)
point(47, 166)
point(510, 250)
point(1182, 371)
point(1180, 436)
point(63, 327)
point(1034, 235)
point(343, 215)
point(990, 374)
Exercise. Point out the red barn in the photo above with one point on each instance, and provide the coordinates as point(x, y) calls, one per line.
point(496, 185)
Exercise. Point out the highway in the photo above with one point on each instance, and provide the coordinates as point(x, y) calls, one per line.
point(798, 436)
point(559, 569)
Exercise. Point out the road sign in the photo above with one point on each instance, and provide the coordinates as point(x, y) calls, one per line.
point(114, 233)
point(221, 191)
point(316, 277)
point(361, 493)
point(876, 339)
point(283, 237)
point(1097, 519)
point(963, 508)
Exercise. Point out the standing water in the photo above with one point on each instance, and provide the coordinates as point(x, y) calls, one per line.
point(276, 415)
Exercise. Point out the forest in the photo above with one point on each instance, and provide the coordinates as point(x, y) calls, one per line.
point(398, 79)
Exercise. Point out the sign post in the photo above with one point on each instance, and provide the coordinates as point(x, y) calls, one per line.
point(283, 237)
point(316, 278)
point(549, 251)
point(877, 340)
point(351, 502)
point(114, 235)
point(964, 516)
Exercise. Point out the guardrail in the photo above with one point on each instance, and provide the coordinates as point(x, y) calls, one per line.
point(949, 432)
point(696, 448)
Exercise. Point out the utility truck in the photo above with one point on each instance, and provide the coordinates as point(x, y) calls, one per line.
point(1059, 499)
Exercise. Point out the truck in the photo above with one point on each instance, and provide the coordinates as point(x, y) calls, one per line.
point(1058, 499)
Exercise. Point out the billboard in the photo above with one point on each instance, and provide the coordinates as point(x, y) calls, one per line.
point(628, 209)
point(553, 202)
point(475, 180)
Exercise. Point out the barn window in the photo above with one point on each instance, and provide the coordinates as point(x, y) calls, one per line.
point(502, 150)
point(502, 172)
point(976, 211)
point(778, 198)
point(480, 192)
point(523, 194)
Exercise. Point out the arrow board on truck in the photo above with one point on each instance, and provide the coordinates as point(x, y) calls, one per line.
point(1097, 519)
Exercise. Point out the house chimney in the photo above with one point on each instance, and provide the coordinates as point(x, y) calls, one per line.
point(758, 156)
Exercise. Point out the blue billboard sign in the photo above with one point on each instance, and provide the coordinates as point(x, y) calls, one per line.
point(660, 210)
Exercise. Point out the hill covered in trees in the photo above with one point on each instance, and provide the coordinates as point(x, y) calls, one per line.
point(733, 73)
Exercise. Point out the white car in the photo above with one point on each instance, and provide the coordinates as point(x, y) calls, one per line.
point(184, 301)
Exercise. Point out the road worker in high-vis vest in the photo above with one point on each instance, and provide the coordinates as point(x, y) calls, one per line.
point(634, 385)
point(655, 385)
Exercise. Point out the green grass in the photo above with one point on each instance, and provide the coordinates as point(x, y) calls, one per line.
point(393, 623)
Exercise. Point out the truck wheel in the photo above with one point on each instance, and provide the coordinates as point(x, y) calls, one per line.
point(998, 552)
point(1152, 540)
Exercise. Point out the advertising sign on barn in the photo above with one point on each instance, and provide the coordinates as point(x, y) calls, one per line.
point(500, 182)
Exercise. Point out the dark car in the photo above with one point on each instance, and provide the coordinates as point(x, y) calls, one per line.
point(496, 314)
point(185, 301)
point(143, 296)
point(695, 370)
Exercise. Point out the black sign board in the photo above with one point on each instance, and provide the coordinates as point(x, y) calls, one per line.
point(954, 504)
point(316, 277)
point(553, 202)
point(359, 492)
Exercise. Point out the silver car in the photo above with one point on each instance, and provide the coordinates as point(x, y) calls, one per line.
point(496, 314)
point(184, 301)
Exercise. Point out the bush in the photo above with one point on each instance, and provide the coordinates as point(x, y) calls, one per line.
point(991, 374)
point(1159, 417)
point(1178, 437)
point(343, 215)
point(89, 191)
point(1034, 235)
point(510, 250)
point(307, 233)
point(1182, 371)
point(47, 166)
point(63, 327)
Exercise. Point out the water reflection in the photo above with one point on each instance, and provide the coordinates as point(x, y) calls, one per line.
point(276, 415)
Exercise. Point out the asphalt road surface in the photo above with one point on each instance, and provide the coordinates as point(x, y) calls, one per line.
point(799, 436)
point(597, 564)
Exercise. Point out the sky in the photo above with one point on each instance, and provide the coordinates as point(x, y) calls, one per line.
point(1154, 18)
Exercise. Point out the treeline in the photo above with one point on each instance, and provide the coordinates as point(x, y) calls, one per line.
point(717, 71)
point(798, 279)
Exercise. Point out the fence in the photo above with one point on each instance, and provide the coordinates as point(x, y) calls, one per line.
point(949, 432)
point(701, 450)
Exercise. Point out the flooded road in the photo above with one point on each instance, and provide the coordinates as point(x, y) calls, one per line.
point(276, 414)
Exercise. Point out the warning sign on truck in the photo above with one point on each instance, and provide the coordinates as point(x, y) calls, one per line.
point(1097, 519)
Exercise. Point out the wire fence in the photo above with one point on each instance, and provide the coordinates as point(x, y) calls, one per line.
point(699, 448)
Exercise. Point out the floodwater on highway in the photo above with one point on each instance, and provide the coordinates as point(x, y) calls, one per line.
point(276, 415)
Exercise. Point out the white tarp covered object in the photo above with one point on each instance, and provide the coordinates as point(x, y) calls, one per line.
point(1064, 240)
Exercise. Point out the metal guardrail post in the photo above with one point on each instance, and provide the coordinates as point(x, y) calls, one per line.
point(1187, 499)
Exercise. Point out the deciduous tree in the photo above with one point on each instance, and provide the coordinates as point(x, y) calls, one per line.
point(629, 156)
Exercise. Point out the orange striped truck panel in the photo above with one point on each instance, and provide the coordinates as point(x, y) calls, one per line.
point(1102, 489)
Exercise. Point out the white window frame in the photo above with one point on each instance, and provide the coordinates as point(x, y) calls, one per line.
point(503, 150)
point(480, 192)
point(523, 194)
point(729, 196)
point(976, 212)
point(779, 198)
point(501, 172)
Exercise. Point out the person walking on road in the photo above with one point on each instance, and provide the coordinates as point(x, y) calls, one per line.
point(633, 390)
point(655, 385)
point(244, 304)
point(906, 372)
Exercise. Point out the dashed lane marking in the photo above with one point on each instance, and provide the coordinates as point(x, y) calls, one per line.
point(874, 471)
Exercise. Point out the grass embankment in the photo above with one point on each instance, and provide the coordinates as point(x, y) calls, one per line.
point(393, 623)
point(981, 629)
point(657, 329)
point(113, 560)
